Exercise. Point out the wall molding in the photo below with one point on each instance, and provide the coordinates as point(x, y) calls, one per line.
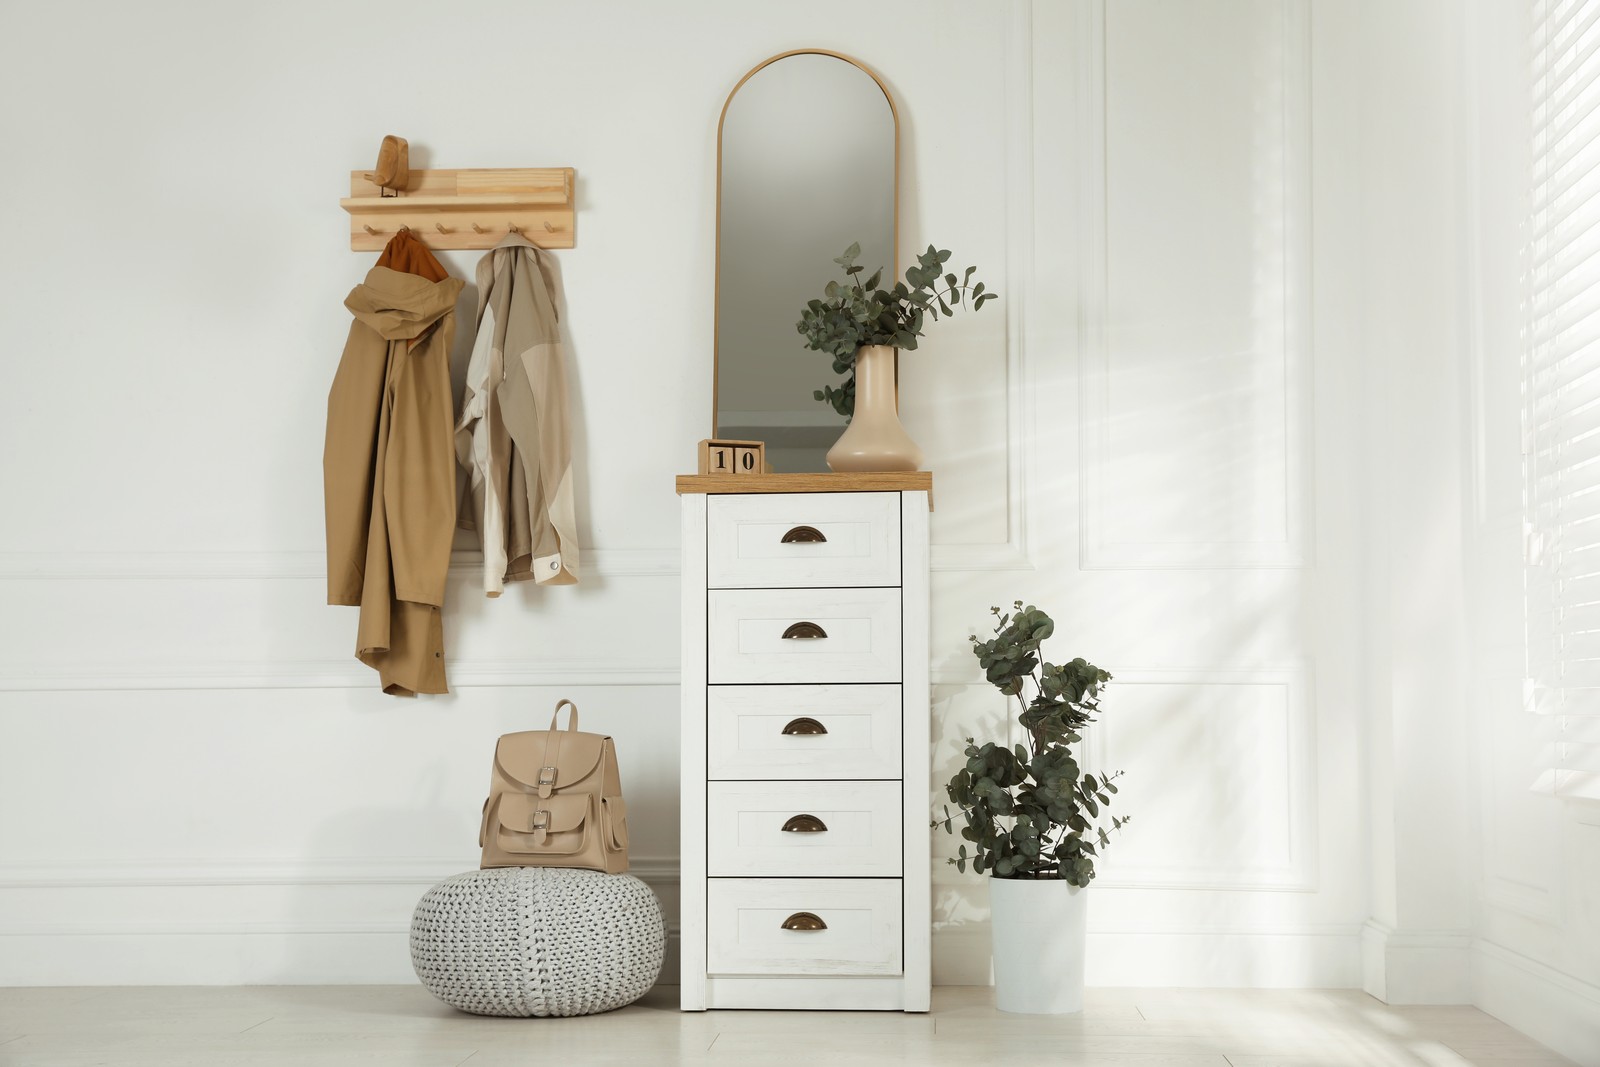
point(1096, 552)
point(322, 674)
point(305, 566)
point(1299, 872)
point(465, 564)
point(348, 674)
point(1019, 230)
point(1530, 901)
point(421, 871)
point(225, 927)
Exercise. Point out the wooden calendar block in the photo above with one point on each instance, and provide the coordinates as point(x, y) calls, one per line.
point(732, 457)
point(749, 459)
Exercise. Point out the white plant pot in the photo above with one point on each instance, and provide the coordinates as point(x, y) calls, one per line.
point(1038, 927)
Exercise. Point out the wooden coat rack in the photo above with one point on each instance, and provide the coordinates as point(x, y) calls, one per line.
point(463, 208)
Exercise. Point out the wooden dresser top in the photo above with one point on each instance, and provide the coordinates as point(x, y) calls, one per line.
point(888, 482)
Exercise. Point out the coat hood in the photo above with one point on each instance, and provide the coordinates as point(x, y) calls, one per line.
point(401, 306)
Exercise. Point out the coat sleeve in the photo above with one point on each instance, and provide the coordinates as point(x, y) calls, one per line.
point(481, 452)
point(419, 492)
point(348, 456)
point(533, 400)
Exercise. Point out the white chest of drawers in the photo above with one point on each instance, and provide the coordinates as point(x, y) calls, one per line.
point(805, 756)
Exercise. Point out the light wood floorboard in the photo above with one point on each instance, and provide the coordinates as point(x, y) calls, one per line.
point(402, 1026)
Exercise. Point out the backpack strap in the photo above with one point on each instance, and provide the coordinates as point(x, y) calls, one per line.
point(572, 719)
point(551, 761)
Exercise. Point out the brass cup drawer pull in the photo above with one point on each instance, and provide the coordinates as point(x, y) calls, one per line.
point(803, 535)
point(804, 920)
point(805, 725)
point(805, 824)
point(804, 631)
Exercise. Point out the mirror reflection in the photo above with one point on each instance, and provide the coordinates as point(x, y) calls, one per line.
point(807, 166)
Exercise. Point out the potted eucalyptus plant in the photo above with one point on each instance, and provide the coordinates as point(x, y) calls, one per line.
point(861, 325)
point(1034, 821)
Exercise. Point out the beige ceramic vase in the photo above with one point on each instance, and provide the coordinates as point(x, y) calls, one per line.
point(875, 440)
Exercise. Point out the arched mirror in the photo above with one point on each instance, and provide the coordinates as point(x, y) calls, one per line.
point(807, 163)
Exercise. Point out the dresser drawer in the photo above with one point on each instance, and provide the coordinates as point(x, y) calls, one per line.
point(834, 926)
point(803, 829)
point(803, 540)
point(802, 635)
point(803, 731)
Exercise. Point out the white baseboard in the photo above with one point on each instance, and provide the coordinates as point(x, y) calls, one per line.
point(377, 953)
point(1308, 956)
point(1548, 1005)
point(1416, 967)
point(222, 954)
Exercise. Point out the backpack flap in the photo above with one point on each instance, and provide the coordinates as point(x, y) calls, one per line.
point(546, 762)
point(544, 826)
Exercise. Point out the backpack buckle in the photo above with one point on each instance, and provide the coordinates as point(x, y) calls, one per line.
point(541, 819)
point(547, 776)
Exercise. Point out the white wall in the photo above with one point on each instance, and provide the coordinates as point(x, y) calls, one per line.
point(1536, 947)
point(1156, 435)
point(197, 781)
point(1191, 407)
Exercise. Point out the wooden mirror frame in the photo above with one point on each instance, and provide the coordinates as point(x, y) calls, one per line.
point(716, 311)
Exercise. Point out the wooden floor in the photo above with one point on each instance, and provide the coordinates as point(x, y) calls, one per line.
point(402, 1026)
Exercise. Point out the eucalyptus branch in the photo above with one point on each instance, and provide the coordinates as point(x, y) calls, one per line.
point(948, 819)
point(1033, 813)
point(857, 314)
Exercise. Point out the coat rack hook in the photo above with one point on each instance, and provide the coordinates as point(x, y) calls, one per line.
point(512, 227)
point(478, 229)
point(370, 230)
point(548, 228)
point(441, 228)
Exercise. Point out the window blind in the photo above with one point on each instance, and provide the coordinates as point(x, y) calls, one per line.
point(1561, 392)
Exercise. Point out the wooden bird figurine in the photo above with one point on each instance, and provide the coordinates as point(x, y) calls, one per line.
point(393, 170)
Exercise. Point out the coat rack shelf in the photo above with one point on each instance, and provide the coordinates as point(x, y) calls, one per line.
point(465, 208)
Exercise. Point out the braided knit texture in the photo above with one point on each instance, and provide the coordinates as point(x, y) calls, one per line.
point(538, 941)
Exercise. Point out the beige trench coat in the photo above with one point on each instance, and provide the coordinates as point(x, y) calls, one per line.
point(389, 478)
point(513, 437)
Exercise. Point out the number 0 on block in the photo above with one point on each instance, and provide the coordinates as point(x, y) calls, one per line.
point(732, 457)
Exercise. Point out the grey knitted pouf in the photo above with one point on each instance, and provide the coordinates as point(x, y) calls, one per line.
point(538, 941)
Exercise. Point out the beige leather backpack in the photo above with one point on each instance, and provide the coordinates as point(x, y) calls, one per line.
point(555, 800)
